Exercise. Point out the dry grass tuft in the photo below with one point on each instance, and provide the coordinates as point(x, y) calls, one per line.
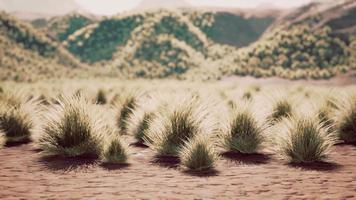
point(17, 116)
point(244, 132)
point(198, 154)
point(177, 124)
point(126, 107)
point(345, 120)
point(115, 151)
point(101, 97)
point(303, 139)
point(72, 128)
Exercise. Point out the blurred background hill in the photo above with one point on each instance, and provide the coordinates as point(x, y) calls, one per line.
point(160, 39)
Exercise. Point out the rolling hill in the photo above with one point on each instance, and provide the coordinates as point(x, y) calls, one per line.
point(339, 15)
point(25, 51)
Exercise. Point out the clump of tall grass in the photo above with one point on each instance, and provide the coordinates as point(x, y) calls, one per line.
point(17, 116)
point(140, 120)
point(177, 124)
point(101, 97)
point(281, 108)
point(198, 154)
point(247, 95)
point(345, 120)
point(303, 139)
point(326, 112)
point(72, 128)
point(125, 108)
point(244, 133)
point(115, 151)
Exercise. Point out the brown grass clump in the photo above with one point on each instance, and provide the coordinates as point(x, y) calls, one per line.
point(126, 108)
point(72, 128)
point(198, 154)
point(140, 120)
point(303, 139)
point(17, 116)
point(281, 108)
point(244, 132)
point(345, 120)
point(176, 125)
point(115, 151)
point(101, 97)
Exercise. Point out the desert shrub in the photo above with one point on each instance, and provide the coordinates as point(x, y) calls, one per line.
point(244, 133)
point(126, 108)
point(115, 151)
point(72, 128)
point(174, 126)
point(345, 120)
point(198, 154)
point(303, 139)
point(281, 108)
point(17, 117)
point(101, 97)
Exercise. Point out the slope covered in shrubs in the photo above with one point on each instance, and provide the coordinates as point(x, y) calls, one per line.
point(99, 41)
point(62, 27)
point(26, 52)
point(300, 52)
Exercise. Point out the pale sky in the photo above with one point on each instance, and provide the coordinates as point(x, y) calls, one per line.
point(109, 7)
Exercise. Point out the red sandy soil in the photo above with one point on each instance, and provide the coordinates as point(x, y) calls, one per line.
point(25, 174)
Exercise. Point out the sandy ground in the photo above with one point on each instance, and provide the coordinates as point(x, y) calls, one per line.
point(25, 174)
point(346, 79)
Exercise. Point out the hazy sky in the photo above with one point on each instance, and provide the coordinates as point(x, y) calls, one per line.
point(108, 7)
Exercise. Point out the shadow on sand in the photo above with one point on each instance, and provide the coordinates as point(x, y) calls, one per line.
point(15, 144)
point(112, 166)
point(139, 145)
point(316, 166)
point(166, 161)
point(60, 163)
point(205, 173)
point(252, 159)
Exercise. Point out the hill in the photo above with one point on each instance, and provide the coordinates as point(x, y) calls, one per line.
point(99, 41)
point(296, 53)
point(339, 15)
point(25, 51)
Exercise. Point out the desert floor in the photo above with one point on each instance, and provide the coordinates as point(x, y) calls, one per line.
point(25, 174)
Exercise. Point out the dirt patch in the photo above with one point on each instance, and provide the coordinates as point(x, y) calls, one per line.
point(25, 174)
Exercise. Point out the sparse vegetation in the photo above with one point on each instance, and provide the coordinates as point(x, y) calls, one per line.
point(72, 128)
point(281, 108)
point(345, 120)
point(126, 108)
point(115, 151)
point(244, 133)
point(303, 139)
point(17, 117)
point(198, 154)
point(101, 97)
point(173, 127)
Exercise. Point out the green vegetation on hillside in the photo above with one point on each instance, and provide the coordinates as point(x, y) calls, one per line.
point(297, 53)
point(98, 42)
point(65, 26)
point(236, 30)
point(26, 54)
